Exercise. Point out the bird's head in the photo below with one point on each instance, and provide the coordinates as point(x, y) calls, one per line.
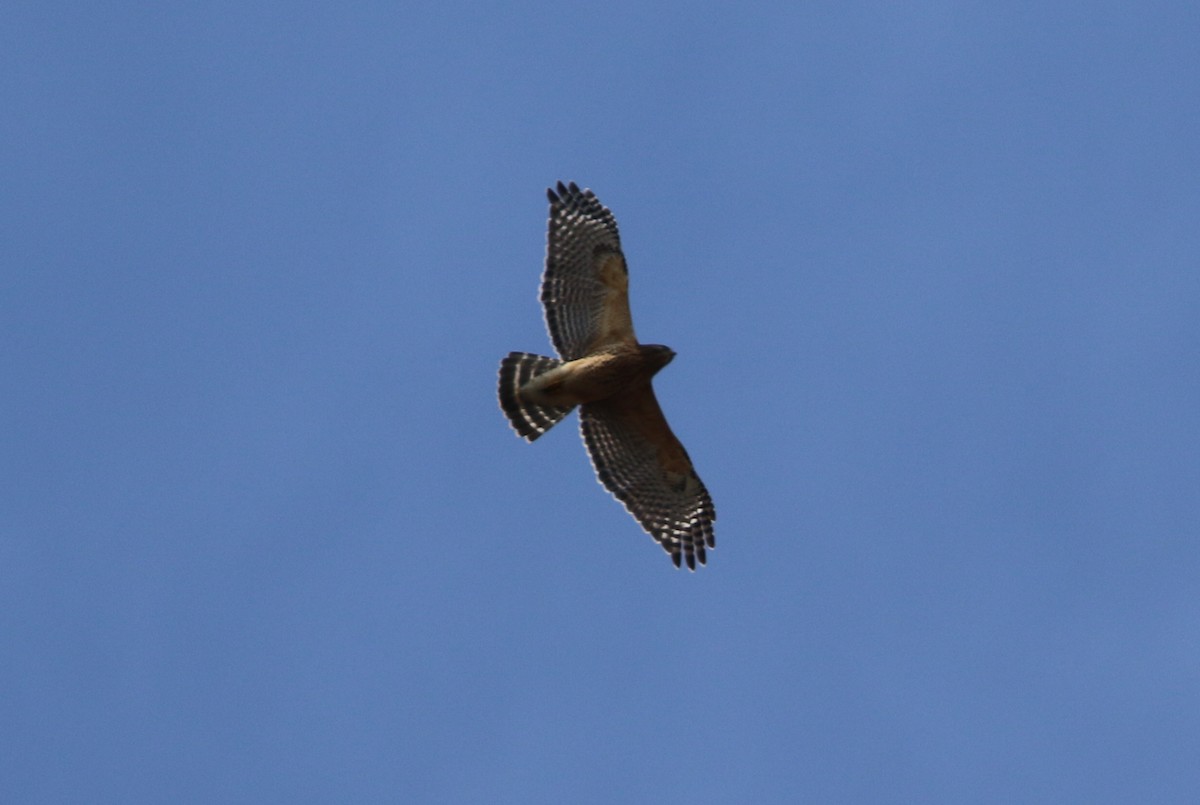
point(657, 355)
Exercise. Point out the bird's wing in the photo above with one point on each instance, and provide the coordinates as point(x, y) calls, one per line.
point(641, 462)
point(585, 288)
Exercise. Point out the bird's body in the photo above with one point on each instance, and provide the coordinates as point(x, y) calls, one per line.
point(606, 373)
point(597, 377)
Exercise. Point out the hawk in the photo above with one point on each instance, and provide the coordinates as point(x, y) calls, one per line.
point(604, 371)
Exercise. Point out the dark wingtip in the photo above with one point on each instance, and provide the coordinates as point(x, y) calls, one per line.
point(565, 192)
point(676, 557)
point(561, 193)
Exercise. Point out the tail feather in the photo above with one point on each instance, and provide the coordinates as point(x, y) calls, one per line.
point(528, 419)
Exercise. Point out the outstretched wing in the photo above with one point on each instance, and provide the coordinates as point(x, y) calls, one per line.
point(585, 289)
point(639, 460)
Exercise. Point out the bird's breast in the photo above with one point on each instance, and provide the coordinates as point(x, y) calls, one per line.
point(589, 379)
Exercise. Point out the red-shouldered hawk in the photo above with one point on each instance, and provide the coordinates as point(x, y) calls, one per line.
point(606, 372)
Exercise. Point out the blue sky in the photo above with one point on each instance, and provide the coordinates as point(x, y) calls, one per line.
point(933, 275)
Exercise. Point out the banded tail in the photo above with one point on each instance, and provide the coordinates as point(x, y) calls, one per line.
point(528, 419)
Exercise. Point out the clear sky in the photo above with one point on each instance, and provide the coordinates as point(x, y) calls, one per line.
point(932, 272)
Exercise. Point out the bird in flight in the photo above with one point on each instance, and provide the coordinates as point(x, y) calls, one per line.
point(604, 371)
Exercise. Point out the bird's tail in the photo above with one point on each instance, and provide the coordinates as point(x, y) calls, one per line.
point(528, 419)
